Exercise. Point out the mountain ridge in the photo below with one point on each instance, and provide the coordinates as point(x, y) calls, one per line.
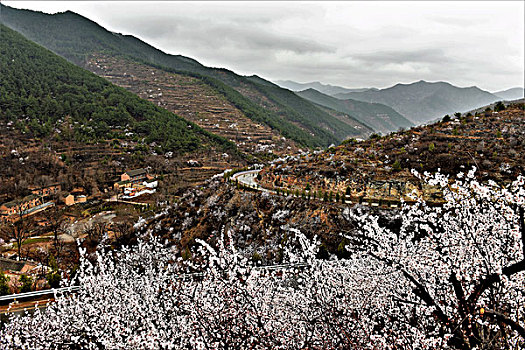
point(379, 117)
point(424, 101)
point(324, 88)
point(511, 94)
point(303, 121)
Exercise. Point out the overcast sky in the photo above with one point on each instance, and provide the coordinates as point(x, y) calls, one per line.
point(352, 44)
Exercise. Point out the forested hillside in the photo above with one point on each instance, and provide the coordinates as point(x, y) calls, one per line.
point(39, 90)
point(378, 116)
point(293, 116)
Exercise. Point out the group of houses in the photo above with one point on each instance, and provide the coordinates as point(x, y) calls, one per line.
point(134, 183)
point(33, 203)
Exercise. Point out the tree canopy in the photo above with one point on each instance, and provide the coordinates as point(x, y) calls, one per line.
point(40, 92)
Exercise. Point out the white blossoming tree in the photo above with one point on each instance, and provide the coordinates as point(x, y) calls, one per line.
point(432, 277)
point(457, 271)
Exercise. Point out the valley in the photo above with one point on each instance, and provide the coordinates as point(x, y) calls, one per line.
point(195, 101)
point(176, 205)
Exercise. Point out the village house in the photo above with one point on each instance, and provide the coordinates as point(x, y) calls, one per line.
point(71, 199)
point(133, 181)
point(20, 205)
point(46, 191)
point(122, 184)
point(134, 176)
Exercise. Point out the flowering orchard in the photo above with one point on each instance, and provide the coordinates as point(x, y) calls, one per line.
point(457, 271)
point(424, 278)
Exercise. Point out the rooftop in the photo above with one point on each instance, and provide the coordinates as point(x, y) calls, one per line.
point(136, 172)
point(17, 202)
point(11, 265)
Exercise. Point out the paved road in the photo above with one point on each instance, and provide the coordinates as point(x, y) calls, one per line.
point(77, 228)
point(249, 178)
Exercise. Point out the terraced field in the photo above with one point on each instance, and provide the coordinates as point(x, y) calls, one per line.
point(379, 169)
point(194, 100)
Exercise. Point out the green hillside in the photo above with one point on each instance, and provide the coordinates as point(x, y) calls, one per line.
point(39, 91)
point(378, 116)
point(293, 116)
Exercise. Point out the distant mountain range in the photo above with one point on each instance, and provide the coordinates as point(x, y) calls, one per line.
point(306, 118)
point(424, 101)
point(324, 88)
point(420, 102)
point(511, 94)
point(78, 39)
point(378, 116)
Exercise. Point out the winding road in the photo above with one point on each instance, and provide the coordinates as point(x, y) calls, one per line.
point(248, 178)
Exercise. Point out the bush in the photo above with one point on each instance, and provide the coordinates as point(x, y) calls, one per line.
point(4, 286)
point(27, 284)
point(499, 106)
point(53, 279)
point(397, 165)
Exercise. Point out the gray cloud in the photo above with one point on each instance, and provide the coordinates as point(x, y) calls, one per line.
point(353, 44)
point(429, 56)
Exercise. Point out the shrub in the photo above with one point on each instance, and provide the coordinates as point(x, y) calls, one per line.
point(4, 286)
point(27, 284)
point(397, 165)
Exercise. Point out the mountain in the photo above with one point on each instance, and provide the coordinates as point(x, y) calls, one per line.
point(61, 123)
point(378, 116)
point(39, 90)
point(424, 101)
point(511, 94)
point(324, 88)
point(258, 99)
point(195, 101)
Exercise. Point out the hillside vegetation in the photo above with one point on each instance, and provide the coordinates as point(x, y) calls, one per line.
point(379, 169)
point(378, 116)
point(61, 123)
point(259, 99)
point(193, 99)
point(39, 90)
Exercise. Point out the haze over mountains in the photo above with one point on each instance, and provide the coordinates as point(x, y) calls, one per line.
point(511, 94)
point(260, 100)
point(420, 101)
point(424, 101)
point(324, 88)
